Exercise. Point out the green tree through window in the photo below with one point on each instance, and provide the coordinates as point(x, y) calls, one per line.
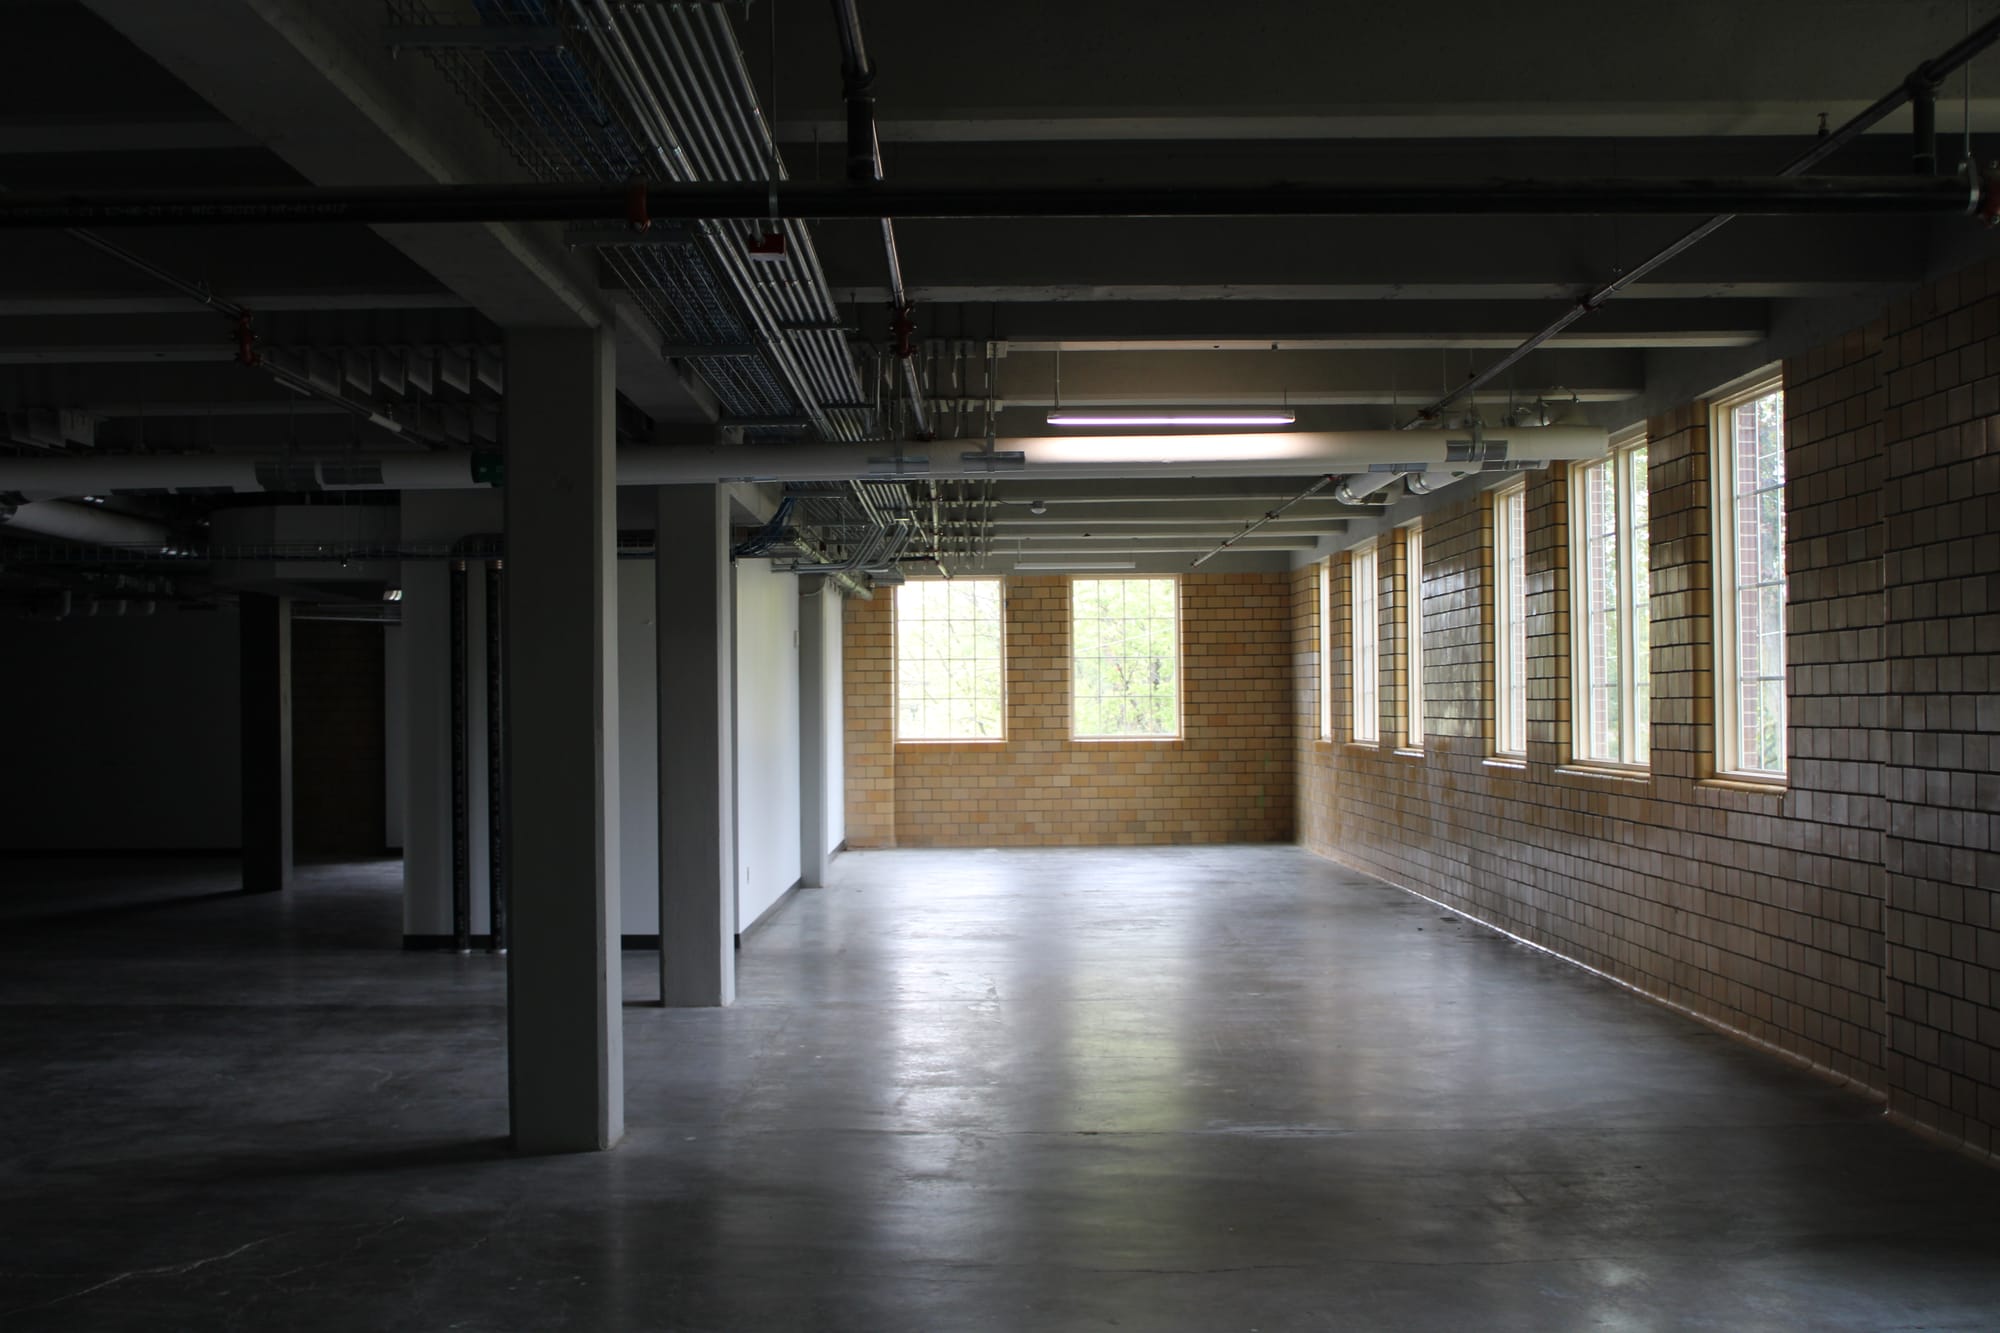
point(950, 670)
point(1125, 658)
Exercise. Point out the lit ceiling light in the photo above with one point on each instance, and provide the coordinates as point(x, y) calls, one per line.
point(392, 594)
point(1277, 416)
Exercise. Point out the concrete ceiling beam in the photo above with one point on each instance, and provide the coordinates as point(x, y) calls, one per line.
point(1196, 377)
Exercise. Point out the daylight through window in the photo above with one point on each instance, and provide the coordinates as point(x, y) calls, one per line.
point(1613, 610)
point(1510, 620)
point(1750, 583)
point(950, 670)
point(1125, 658)
point(1367, 647)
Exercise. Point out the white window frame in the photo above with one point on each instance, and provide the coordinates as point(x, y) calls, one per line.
point(1509, 606)
point(1729, 762)
point(896, 630)
point(1413, 629)
point(1180, 665)
point(1631, 728)
point(1365, 639)
point(1325, 572)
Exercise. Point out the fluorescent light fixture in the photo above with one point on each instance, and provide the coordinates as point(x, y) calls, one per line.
point(1259, 416)
point(392, 594)
point(1053, 566)
point(1284, 447)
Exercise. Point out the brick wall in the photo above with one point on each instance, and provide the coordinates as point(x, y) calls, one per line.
point(337, 744)
point(1228, 779)
point(1848, 918)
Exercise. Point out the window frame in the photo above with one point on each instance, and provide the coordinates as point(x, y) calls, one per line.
point(1413, 631)
point(1325, 572)
point(1364, 665)
point(1505, 671)
point(1179, 732)
point(1620, 459)
point(1724, 603)
point(896, 663)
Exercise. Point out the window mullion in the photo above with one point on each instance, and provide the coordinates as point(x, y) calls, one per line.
point(1621, 547)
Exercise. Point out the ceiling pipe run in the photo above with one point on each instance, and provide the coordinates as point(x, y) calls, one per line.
point(1287, 453)
point(642, 203)
point(864, 167)
point(1921, 83)
point(74, 522)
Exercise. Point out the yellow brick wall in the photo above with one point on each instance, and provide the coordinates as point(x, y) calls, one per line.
point(1229, 778)
point(1848, 918)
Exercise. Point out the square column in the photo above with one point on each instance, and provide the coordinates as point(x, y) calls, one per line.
point(264, 647)
point(693, 618)
point(565, 1007)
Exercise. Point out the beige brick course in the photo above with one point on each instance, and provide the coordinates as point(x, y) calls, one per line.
point(1227, 779)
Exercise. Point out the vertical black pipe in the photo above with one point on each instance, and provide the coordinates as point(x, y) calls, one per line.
point(461, 821)
point(265, 630)
point(496, 772)
point(1923, 125)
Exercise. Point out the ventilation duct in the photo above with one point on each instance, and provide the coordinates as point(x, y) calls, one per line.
point(1295, 453)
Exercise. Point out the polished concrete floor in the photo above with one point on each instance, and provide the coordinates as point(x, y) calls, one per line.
point(1229, 1089)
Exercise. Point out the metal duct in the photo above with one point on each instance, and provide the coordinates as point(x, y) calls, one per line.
point(1289, 453)
point(1356, 489)
point(786, 205)
point(1078, 457)
point(83, 523)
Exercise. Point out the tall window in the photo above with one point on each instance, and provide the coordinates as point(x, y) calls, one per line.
point(1326, 650)
point(1413, 613)
point(1750, 582)
point(1367, 643)
point(950, 674)
point(1125, 649)
point(1611, 615)
point(1510, 620)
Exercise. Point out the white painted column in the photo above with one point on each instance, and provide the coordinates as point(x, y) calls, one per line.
point(814, 595)
point(565, 1009)
point(695, 607)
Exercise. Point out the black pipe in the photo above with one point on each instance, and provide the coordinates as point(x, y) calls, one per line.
point(864, 147)
point(1923, 128)
point(496, 773)
point(1931, 73)
point(1773, 196)
point(461, 812)
point(864, 168)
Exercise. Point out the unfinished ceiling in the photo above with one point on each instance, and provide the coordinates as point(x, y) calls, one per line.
point(934, 337)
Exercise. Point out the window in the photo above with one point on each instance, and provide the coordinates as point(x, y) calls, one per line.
point(1367, 640)
point(950, 672)
point(1125, 651)
point(1750, 583)
point(1326, 650)
point(1413, 616)
point(1611, 615)
point(1510, 620)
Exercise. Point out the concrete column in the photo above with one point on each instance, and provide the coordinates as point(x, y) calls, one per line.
point(264, 645)
point(813, 596)
point(695, 606)
point(565, 1034)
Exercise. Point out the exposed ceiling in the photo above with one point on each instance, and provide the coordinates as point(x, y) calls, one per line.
point(1350, 322)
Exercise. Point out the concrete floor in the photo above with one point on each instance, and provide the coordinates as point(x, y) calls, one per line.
point(1230, 1089)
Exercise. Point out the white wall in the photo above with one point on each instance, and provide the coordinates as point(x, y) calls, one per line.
point(123, 734)
point(767, 725)
point(767, 738)
point(434, 516)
